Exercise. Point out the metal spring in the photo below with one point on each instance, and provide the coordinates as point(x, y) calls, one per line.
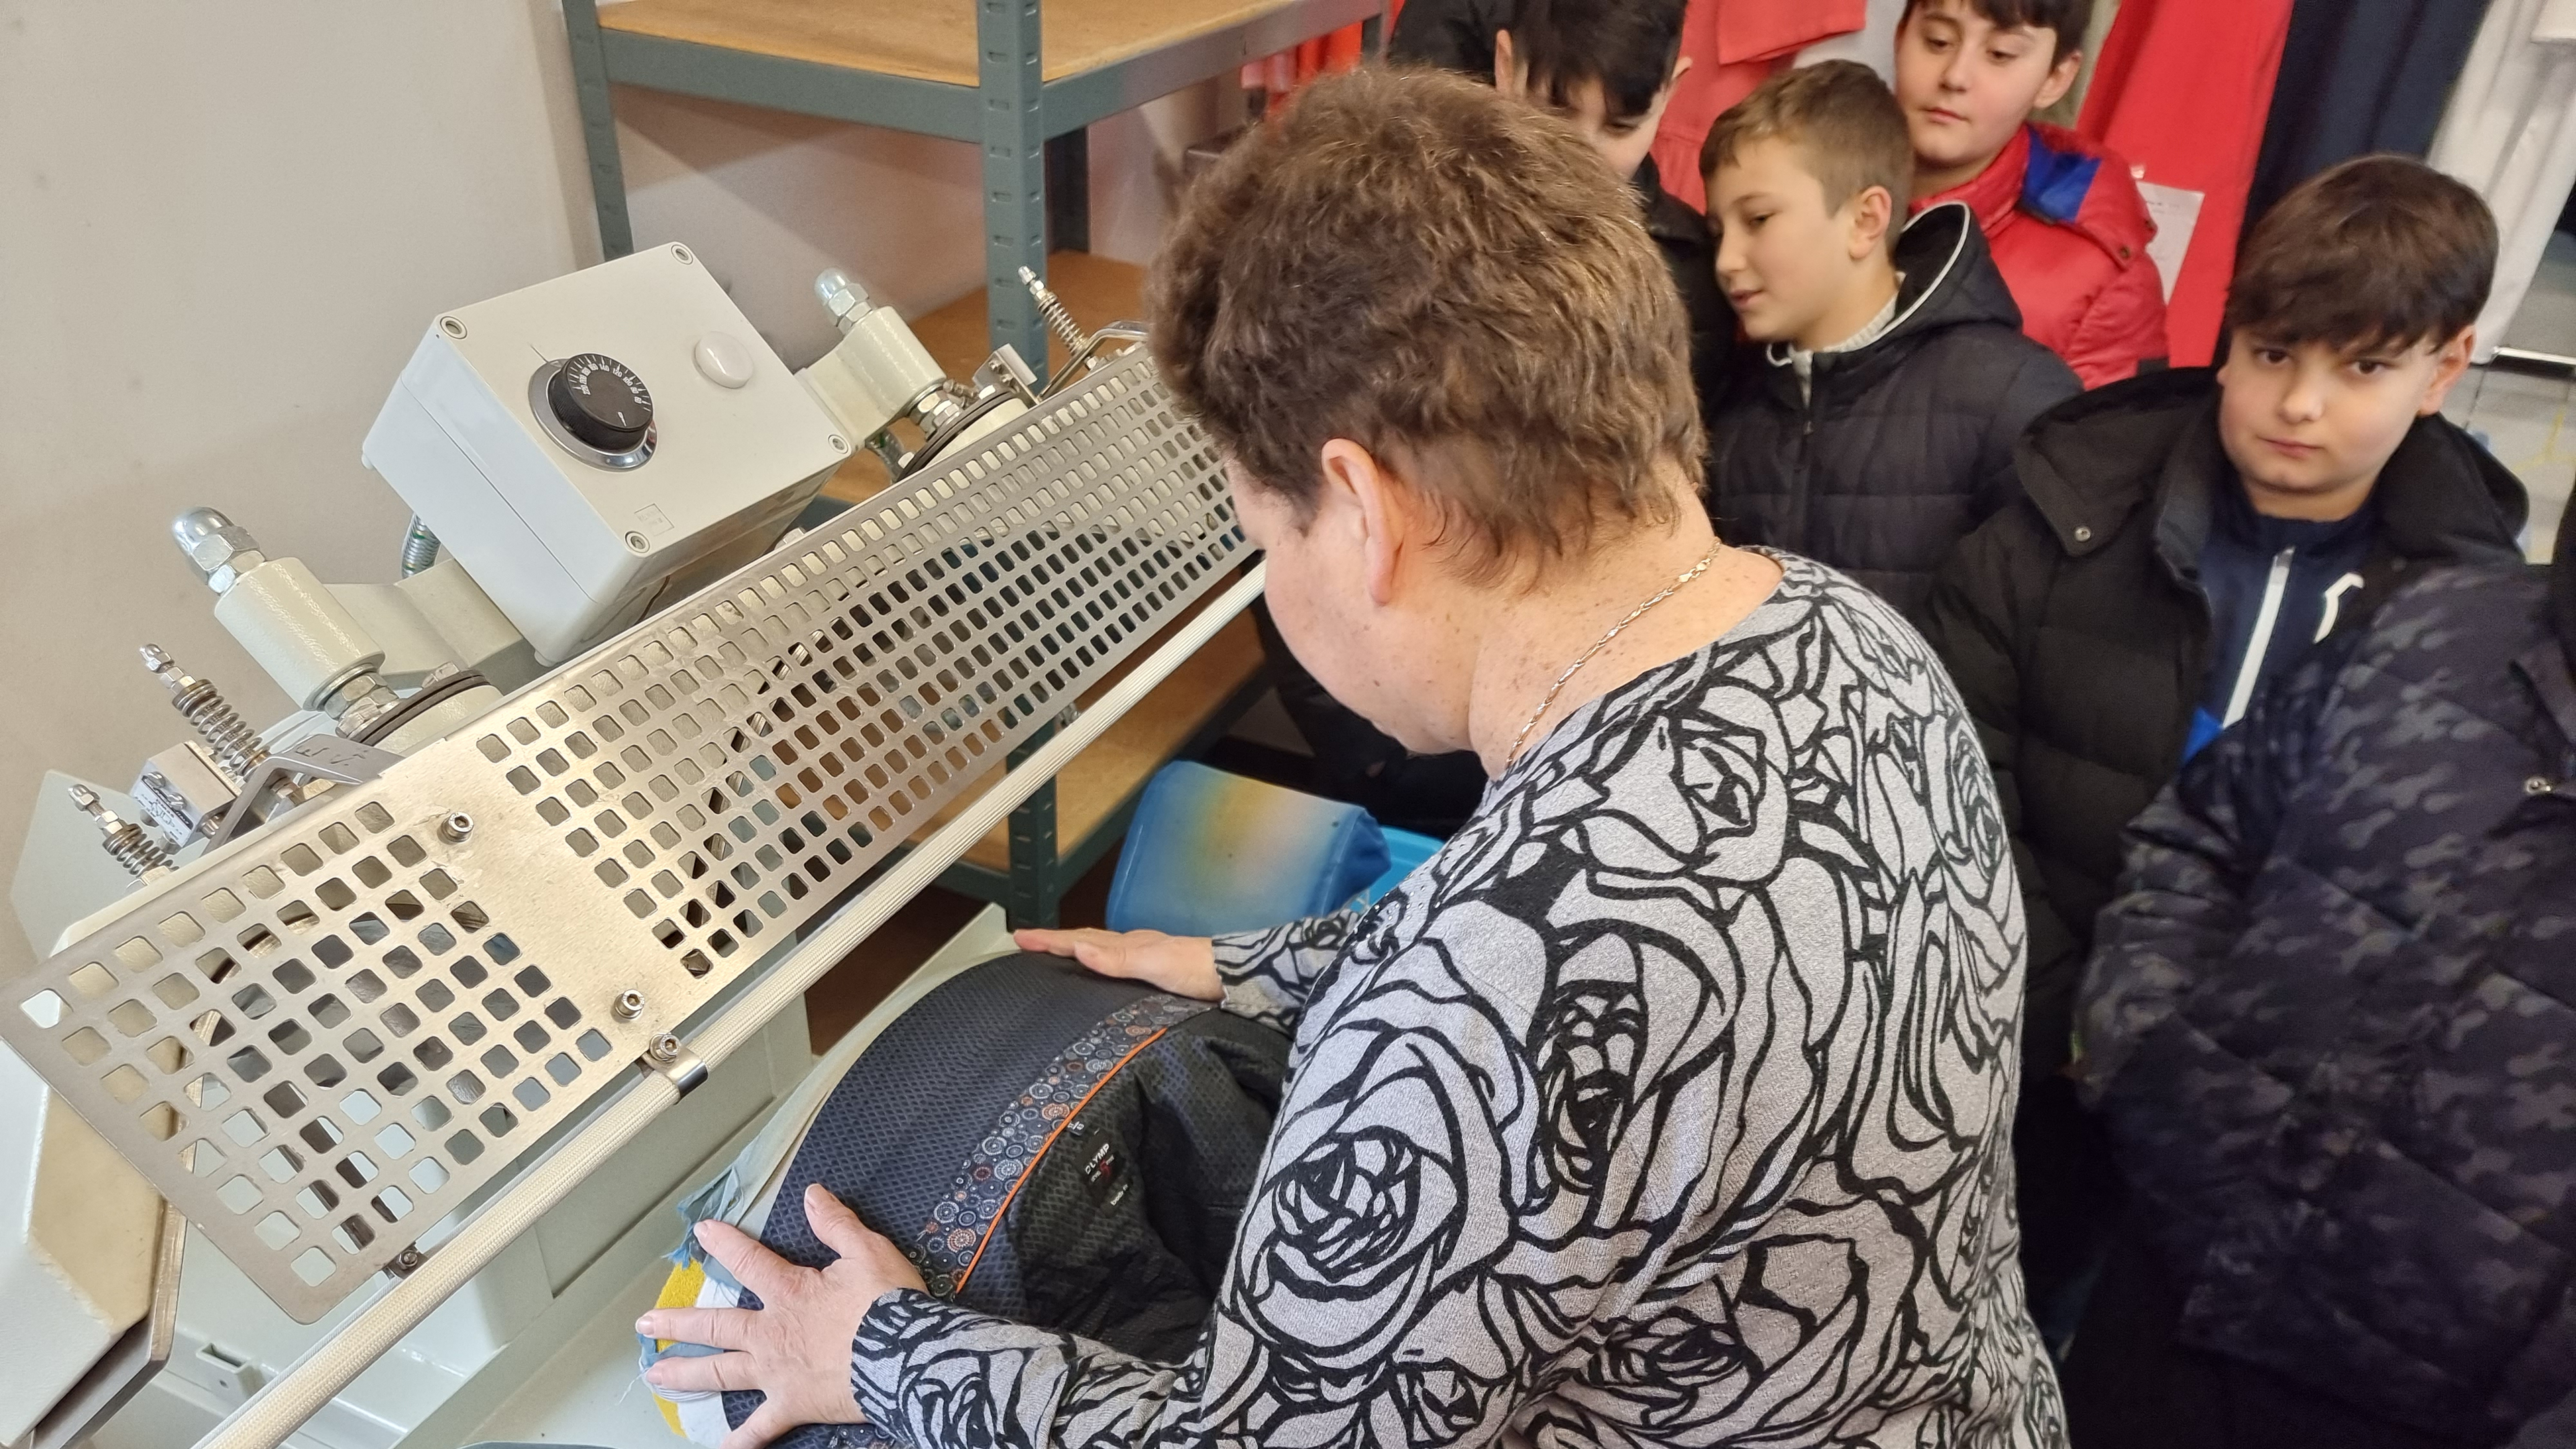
point(235, 744)
point(419, 549)
point(134, 850)
point(139, 853)
point(1052, 309)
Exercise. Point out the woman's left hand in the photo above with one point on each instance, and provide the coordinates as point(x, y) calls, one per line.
point(795, 1348)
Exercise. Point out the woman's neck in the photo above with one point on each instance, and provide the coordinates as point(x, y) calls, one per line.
point(1527, 637)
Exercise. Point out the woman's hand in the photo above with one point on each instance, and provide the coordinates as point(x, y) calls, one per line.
point(1181, 965)
point(796, 1348)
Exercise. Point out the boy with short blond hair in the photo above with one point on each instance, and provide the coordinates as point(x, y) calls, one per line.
point(2064, 216)
point(1876, 429)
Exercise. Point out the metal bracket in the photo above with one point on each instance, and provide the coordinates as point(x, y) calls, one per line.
point(136, 1358)
point(323, 757)
point(670, 1057)
point(1006, 371)
point(1091, 355)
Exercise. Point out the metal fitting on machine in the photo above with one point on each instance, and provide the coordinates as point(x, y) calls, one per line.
point(221, 549)
point(670, 1057)
point(360, 703)
point(123, 839)
point(843, 297)
point(419, 548)
point(236, 745)
point(1052, 309)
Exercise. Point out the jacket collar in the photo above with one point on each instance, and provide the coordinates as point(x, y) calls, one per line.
point(2093, 463)
point(1994, 194)
point(1667, 217)
point(2546, 668)
point(1931, 255)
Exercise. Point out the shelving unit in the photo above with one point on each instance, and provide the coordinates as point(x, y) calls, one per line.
point(1071, 823)
point(978, 71)
point(987, 73)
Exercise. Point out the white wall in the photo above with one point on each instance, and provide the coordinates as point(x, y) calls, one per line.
point(223, 227)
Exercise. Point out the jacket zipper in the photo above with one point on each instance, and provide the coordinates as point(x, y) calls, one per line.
point(2251, 671)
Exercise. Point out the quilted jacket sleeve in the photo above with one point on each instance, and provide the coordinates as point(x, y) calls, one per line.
point(1978, 625)
point(2040, 383)
point(2193, 857)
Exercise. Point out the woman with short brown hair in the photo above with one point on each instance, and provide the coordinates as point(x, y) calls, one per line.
point(1667, 1104)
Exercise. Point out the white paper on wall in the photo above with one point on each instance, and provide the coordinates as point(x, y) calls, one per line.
point(2176, 213)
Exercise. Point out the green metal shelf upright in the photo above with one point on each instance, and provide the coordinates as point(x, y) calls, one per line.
point(1013, 114)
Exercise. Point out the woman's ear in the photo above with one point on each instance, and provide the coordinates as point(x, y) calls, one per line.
point(1376, 514)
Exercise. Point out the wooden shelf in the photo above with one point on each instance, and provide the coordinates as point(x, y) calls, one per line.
point(928, 40)
point(1095, 784)
point(1019, 80)
point(1090, 790)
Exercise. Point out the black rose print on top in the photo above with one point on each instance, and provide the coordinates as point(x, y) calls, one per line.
point(1668, 1104)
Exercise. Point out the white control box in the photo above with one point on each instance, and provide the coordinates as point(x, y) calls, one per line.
point(592, 447)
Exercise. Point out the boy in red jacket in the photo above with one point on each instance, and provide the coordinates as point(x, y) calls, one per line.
point(2064, 218)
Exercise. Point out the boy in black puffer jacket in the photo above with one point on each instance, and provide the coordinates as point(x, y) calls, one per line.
point(2329, 1022)
point(2186, 536)
point(1876, 428)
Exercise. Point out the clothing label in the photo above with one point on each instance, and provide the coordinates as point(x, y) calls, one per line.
point(2175, 212)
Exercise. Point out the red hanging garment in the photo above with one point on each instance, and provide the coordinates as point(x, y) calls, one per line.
point(2181, 92)
point(1733, 46)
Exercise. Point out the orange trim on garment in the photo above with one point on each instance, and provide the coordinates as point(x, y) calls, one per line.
point(1040, 1155)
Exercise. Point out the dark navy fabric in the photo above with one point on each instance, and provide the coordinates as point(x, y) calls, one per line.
point(2358, 77)
point(2236, 562)
point(1119, 1231)
point(2331, 1020)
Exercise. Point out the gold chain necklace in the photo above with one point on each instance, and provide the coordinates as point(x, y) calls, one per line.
point(1521, 741)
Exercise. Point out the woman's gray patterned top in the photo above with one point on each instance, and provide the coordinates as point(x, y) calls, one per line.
point(1668, 1104)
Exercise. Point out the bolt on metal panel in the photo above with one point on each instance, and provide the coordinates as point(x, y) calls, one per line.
point(323, 1039)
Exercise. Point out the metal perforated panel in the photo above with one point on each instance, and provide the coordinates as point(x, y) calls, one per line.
point(320, 1041)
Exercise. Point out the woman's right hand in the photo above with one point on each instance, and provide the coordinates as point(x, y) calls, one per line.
point(1181, 965)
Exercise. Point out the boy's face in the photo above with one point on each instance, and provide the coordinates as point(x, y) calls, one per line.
point(2309, 425)
point(1967, 84)
point(1622, 140)
point(1788, 264)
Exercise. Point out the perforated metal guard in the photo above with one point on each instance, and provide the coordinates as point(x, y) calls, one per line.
point(319, 1042)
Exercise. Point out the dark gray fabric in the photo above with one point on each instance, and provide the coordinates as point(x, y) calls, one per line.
point(2131, 1385)
point(2331, 1022)
point(2358, 77)
point(1119, 1230)
point(2562, 584)
point(1451, 34)
point(1903, 446)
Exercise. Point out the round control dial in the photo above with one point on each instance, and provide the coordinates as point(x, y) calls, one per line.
point(601, 401)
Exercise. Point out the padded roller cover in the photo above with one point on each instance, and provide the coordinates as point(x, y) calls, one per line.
point(1049, 1146)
